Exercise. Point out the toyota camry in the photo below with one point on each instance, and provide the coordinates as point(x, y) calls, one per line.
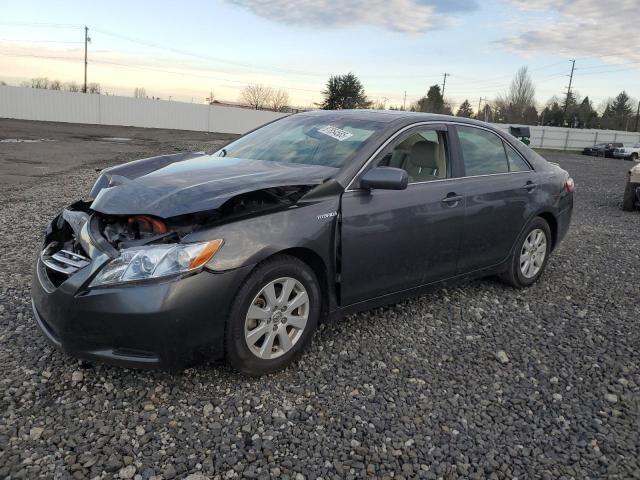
point(241, 253)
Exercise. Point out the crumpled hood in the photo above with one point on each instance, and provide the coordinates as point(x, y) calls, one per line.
point(172, 185)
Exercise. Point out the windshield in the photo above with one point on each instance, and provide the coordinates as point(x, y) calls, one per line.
point(330, 140)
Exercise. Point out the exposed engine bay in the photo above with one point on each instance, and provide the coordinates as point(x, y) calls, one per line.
point(122, 231)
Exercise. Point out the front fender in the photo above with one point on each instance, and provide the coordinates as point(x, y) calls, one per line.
point(248, 241)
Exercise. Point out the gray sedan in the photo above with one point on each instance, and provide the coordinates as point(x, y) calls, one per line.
point(241, 253)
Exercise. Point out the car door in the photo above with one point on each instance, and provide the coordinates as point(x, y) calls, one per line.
point(392, 240)
point(499, 186)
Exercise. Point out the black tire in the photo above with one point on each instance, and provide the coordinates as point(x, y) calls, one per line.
point(633, 157)
point(238, 353)
point(629, 197)
point(513, 275)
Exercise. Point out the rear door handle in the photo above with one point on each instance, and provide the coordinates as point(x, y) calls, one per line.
point(452, 199)
point(530, 186)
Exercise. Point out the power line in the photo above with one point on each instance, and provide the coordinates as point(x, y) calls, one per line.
point(240, 64)
point(614, 65)
point(493, 80)
point(15, 40)
point(153, 69)
point(609, 71)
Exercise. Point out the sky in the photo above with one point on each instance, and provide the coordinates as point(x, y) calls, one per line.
point(185, 50)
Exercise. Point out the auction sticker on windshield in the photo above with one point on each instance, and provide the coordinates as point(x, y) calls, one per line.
point(335, 132)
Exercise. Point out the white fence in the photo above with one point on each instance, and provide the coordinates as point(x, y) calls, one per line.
point(58, 106)
point(574, 138)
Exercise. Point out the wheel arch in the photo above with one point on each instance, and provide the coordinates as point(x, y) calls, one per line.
point(552, 221)
point(314, 261)
point(317, 264)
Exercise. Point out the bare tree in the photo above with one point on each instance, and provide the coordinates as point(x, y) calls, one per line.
point(72, 87)
point(512, 106)
point(55, 85)
point(256, 96)
point(93, 88)
point(140, 93)
point(40, 82)
point(279, 100)
point(211, 98)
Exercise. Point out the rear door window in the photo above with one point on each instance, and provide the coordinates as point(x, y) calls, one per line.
point(516, 162)
point(483, 152)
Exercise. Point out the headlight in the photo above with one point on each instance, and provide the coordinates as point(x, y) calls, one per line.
point(155, 261)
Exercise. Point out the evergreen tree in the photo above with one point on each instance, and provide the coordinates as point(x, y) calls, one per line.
point(587, 116)
point(618, 112)
point(465, 110)
point(343, 92)
point(432, 103)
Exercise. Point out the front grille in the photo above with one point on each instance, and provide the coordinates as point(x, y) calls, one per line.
point(61, 264)
point(65, 262)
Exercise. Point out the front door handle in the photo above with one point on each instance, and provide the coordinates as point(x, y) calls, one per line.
point(452, 199)
point(530, 186)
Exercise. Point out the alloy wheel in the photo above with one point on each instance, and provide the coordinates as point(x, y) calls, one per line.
point(533, 253)
point(276, 318)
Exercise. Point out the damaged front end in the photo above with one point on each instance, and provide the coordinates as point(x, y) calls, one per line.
point(144, 247)
point(66, 248)
point(124, 231)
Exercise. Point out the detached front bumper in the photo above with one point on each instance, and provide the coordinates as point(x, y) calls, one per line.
point(167, 324)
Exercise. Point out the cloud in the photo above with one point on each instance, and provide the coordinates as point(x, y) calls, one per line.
point(594, 28)
point(406, 16)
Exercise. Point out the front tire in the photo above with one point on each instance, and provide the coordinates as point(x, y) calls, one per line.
point(273, 317)
point(529, 259)
point(634, 157)
point(629, 197)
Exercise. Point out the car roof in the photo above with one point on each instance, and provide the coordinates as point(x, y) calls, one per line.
point(393, 116)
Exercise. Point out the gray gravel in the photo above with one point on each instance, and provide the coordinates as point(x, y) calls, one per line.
point(478, 381)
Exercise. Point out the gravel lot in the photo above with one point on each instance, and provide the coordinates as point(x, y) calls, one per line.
point(478, 381)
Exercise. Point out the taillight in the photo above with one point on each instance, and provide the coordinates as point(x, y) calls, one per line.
point(569, 184)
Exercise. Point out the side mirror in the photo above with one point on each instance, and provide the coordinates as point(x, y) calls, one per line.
point(385, 178)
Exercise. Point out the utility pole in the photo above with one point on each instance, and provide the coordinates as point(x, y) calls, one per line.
point(444, 82)
point(404, 102)
point(637, 116)
point(566, 103)
point(86, 41)
point(479, 104)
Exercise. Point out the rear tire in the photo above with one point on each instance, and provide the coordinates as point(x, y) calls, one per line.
point(530, 256)
point(263, 335)
point(629, 197)
point(634, 157)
